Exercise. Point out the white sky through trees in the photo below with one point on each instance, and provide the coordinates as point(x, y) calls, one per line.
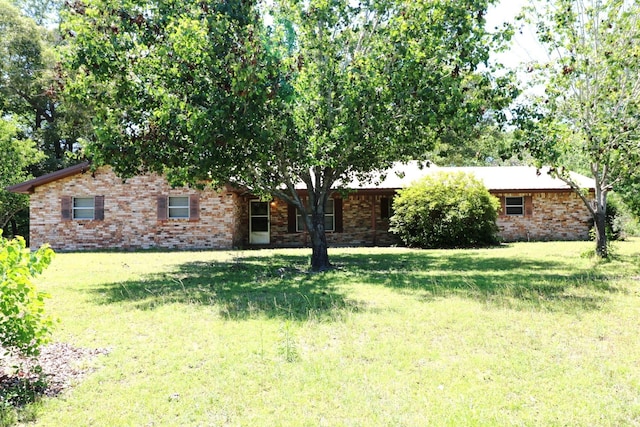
point(524, 46)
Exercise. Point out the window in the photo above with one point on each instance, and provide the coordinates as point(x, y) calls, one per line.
point(259, 216)
point(179, 207)
point(386, 207)
point(514, 205)
point(83, 208)
point(329, 217)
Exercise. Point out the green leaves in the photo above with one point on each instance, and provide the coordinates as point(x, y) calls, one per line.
point(321, 92)
point(24, 325)
point(328, 83)
point(445, 210)
point(183, 77)
point(17, 156)
point(588, 116)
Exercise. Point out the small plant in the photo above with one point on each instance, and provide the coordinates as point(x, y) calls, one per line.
point(19, 393)
point(23, 388)
point(446, 210)
point(288, 348)
point(24, 326)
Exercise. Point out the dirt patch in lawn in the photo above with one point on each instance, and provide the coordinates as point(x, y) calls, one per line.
point(58, 367)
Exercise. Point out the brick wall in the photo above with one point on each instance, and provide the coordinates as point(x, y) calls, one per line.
point(361, 222)
point(559, 215)
point(130, 215)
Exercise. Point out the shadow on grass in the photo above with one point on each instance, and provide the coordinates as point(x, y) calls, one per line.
point(280, 286)
point(272, 286)
point(499, 280)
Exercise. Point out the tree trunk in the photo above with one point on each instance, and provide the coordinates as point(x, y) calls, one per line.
point(319, 252)
point(14, 227)
point(600, 224)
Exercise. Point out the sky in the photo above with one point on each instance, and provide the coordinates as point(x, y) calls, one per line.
point(525, 47)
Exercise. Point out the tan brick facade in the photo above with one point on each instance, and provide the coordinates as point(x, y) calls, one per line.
point(550, 215)
point(362, 224)
point(132, 217)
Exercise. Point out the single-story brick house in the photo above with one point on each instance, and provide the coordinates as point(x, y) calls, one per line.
point(75, 208)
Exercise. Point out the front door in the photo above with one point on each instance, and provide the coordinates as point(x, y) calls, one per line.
point(258, 222)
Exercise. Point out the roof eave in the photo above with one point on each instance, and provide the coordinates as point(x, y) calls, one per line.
point(534, 190)
point(28, 187)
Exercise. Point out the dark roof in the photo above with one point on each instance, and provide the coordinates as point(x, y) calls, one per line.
point(27, 187)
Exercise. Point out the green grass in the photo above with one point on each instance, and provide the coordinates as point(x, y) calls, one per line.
point(527, 334)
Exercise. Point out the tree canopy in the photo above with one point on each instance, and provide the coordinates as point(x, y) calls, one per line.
point(31, 98)
point(267, 97)
point(589, 112)
point(17, 156)
point(31, 86)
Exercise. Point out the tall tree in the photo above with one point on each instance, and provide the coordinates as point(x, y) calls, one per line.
point(17, 156)
point(589, 112)
point(31, 84)
point(327, 91)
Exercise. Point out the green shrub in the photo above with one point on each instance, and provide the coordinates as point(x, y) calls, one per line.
point(446, 210)
point(24, 326)
point(621, 221)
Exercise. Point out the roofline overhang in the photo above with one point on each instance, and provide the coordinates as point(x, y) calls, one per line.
point(537, 190)
point(388, 190)
point(28, 187)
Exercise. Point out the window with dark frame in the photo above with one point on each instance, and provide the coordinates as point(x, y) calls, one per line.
point(386, 207)
point(83, 208)
point(178, 207)
point(514, 206)
point(329, 218)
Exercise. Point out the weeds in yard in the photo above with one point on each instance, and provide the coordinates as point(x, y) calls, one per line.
point(19, 395)
point(280, 287)
point(240, 289)
point(525, 334)
point(288, 347)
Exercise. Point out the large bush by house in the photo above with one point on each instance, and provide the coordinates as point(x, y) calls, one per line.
point(24, 326)
point(446, 210)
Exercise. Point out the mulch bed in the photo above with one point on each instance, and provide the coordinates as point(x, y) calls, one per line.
point(62, 365)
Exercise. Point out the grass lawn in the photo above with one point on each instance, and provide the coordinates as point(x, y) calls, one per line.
point(525, 334)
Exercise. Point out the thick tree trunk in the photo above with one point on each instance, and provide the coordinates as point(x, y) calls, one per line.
point(319, 252)
point(601, 234)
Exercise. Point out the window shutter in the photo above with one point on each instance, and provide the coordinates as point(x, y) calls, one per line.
point(528, 206)
point(162, 208)
point(65, 208)
point(503, 202)
point(384, 208)
point(337, 207)
point(194, 207)
point(291, 218)
point(98, 206)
